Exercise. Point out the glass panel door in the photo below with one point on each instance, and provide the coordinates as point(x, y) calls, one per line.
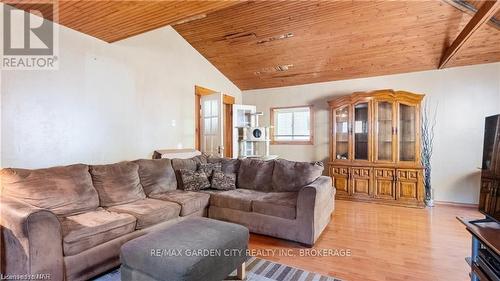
point(384, 131)
point(361, 131)
point(407, 132)
point(342, 133)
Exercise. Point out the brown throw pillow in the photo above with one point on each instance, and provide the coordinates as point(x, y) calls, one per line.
point(222, 181)
point(194, 180)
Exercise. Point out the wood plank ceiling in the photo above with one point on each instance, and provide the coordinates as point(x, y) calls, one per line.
point(281, 43)
point(117, 19)
point(326, 41)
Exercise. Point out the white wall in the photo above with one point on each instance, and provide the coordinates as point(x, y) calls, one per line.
point(107, 102)
point(465, 96)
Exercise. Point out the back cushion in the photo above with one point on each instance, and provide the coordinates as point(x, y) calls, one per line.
point(292, 176)
point(157, 175)
point(229, 166)
point(187, 164)
point(64, 190)
point(117, 183)
point(256, 174)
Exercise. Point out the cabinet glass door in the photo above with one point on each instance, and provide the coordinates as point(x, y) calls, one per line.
point(342, 133)
point(361, 131)
point(384, 131)
point(407, 132)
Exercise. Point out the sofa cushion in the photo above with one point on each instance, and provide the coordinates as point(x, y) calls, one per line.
point(117, 183)
point(238, 199)
point(189, 163)
point(186, 164)
point(256, 174)
point(211, 191)
point(194, 180)
point(156, 175)
point(63, 190)
point(292, 176)
point(222, 181)
point(87, 230)
point(190, 202)
point(228, 165)
point(149, 211)
point(277, 204)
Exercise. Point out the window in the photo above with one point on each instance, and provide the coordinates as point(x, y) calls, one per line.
point(292, 125)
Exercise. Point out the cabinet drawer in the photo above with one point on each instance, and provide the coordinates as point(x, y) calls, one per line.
point(383, 173)
point(407, 174)
point(343, 171)
point(361, 172)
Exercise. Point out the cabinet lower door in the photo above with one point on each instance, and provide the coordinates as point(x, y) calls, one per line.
point(384, 184)
point(496, 201)
point(361, 181)
point(340, 177)
point(408, 185)
point(486, 195)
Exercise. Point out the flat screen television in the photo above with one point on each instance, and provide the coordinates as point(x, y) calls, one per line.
point(489, 198)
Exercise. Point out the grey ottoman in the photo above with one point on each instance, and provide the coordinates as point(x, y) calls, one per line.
point(192, 250)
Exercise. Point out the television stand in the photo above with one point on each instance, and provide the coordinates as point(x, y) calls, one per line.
point(485, 251)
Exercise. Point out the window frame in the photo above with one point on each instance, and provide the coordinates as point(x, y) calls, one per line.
point(296, 142)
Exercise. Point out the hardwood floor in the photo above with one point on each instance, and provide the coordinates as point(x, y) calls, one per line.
point(386, 242)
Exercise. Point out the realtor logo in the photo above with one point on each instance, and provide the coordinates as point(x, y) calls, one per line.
point(29, 36)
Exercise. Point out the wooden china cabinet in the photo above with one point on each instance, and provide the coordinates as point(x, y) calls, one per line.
point(375, 147)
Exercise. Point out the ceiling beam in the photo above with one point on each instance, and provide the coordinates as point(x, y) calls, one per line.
point(468, 8)
point(483, 15)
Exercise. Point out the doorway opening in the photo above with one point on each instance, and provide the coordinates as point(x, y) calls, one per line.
point(213, 124)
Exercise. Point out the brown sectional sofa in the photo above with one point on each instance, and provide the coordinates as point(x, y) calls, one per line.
point(71, 221)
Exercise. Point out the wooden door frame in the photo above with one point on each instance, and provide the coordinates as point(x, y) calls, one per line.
point(228, 102)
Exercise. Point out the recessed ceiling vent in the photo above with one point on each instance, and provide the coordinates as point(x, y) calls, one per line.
point(277, 68)
point(240, 36)
point(283, 67)
point(279, 37)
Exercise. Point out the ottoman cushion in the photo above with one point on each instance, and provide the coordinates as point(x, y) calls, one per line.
point(154, 254)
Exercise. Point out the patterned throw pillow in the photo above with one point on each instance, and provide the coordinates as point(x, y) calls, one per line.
point(222, 181)
point(209, 168)
point(194, 180)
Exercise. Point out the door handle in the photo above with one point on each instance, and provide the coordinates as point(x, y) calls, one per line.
point(220, 149)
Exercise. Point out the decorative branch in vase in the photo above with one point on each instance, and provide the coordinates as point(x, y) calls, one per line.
point(428, 125)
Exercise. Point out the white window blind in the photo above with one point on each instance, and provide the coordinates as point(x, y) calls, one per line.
point(292, 124)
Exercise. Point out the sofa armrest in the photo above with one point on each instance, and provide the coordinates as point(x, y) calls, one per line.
point(314, 208)
point(31, 240)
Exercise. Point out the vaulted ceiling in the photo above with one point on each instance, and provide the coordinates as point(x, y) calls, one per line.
point(281, 43)
point(272, 44)
point(115, 20)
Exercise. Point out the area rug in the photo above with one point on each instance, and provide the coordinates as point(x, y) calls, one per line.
point(257, 270)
